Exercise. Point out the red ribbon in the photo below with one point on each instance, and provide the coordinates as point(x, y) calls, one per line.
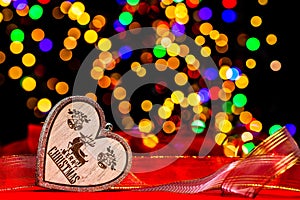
point(274, 163)
point(270, 159)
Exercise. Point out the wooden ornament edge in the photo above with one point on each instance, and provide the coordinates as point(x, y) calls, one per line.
point(43, 143)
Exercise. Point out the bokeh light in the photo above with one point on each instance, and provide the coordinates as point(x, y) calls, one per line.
point(44, 44)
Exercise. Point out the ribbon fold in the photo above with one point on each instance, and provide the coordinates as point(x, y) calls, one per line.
point(247, 176)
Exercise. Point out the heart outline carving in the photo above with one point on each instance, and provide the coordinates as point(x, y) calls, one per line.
point(94, 158)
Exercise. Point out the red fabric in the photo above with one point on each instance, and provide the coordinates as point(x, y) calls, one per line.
point(184, 168)
point(124, 195)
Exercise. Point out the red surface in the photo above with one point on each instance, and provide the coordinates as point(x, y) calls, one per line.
point(212, 195)
point(178, 170)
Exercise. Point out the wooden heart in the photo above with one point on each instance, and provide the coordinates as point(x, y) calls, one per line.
point(76, 152)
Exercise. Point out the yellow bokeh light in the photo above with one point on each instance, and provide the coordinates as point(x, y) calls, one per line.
point(119, 93)
point(150, 140)
point(15, 72)
point(173, 49)
point(167, 2)
point(164, 112)
point(135, 66)
point(242, 81)
point(181, 10)
point(220, 138)
point(250, 63)
point(205, 51)
point(256, 21)
point(193, 99)
point(198, 109)
point(177, 96)
point(28, 59)
point(222, 40)
point(271, 39)
point(146, 105)
point(62, 87)
point(230, 150)
point(104, 44)
point(225, 126)
point(145, 126)
point(16, 47)
point(44, 105)
point(222, 72)
point(170, 12)
point(90, 36)
point(28, 83)
point(256, 126)
point(76, 10)
point(84, 19)
point(263, 2)
point(169, 103)
point(200, 40)
point(214, 34)
point(205, 28)
point(5, 3)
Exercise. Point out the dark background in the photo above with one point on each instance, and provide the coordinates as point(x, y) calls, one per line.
point(272, 96)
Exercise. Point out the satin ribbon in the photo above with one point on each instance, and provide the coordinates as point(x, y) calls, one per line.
point(273, 164)
point(271, 158)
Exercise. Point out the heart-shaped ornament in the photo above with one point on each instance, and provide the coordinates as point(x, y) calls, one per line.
point(77, 152)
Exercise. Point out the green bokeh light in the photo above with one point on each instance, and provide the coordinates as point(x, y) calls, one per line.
point(133, 2)
point(239, 100)
point(253, 44)
point(227, 107)
point(159, 51)
point(274, 128)
point(125, 18)
point(198, 126)
point(17, 35)
point(35, 12)
point(248, 147)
